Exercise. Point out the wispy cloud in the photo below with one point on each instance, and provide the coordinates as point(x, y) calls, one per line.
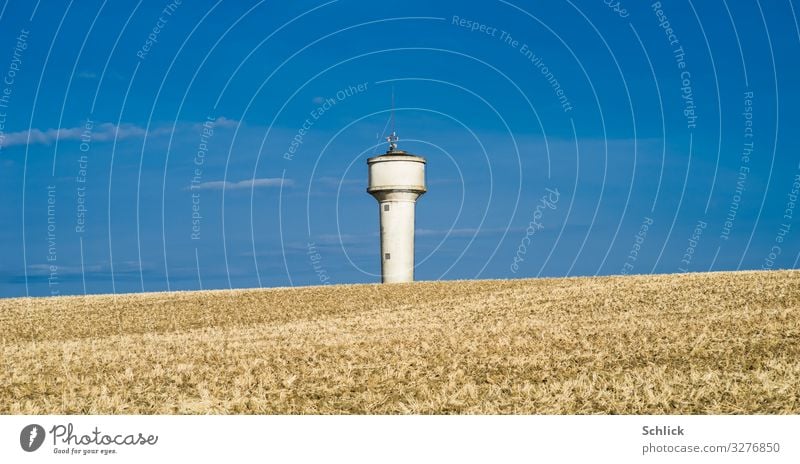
point(242, 184)
point(45, 269)
point(336, 239)
point(460, 232)
point(102, 132)
point(222, 121)
point(346, 239)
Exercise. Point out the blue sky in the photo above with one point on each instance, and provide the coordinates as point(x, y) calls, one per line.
point(660, 135)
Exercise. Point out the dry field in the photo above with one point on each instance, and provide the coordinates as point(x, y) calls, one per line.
point(695, 343)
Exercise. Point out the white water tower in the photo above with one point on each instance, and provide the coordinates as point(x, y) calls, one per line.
point(396, 180)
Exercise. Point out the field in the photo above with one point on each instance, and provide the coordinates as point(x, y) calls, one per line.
point(694, 343)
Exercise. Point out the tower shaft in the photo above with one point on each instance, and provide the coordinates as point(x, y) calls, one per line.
point(397, 240)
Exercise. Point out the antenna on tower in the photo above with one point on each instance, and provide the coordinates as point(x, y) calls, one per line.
point(392, 109)
point(392, 139)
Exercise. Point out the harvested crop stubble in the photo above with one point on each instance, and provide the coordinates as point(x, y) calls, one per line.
point(725, 342)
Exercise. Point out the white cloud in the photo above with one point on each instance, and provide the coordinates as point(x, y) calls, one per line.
point(462, 232)
point(347, 239)
point(102, 132)
point(242, 184)
point(89, 268)
point(222, 121)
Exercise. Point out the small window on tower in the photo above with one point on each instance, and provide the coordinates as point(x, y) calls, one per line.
point(387, 255)
point(386, 207)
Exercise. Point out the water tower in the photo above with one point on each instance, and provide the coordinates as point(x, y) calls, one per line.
point(396, 180)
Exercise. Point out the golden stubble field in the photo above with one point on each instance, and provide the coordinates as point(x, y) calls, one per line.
point(678, 344)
